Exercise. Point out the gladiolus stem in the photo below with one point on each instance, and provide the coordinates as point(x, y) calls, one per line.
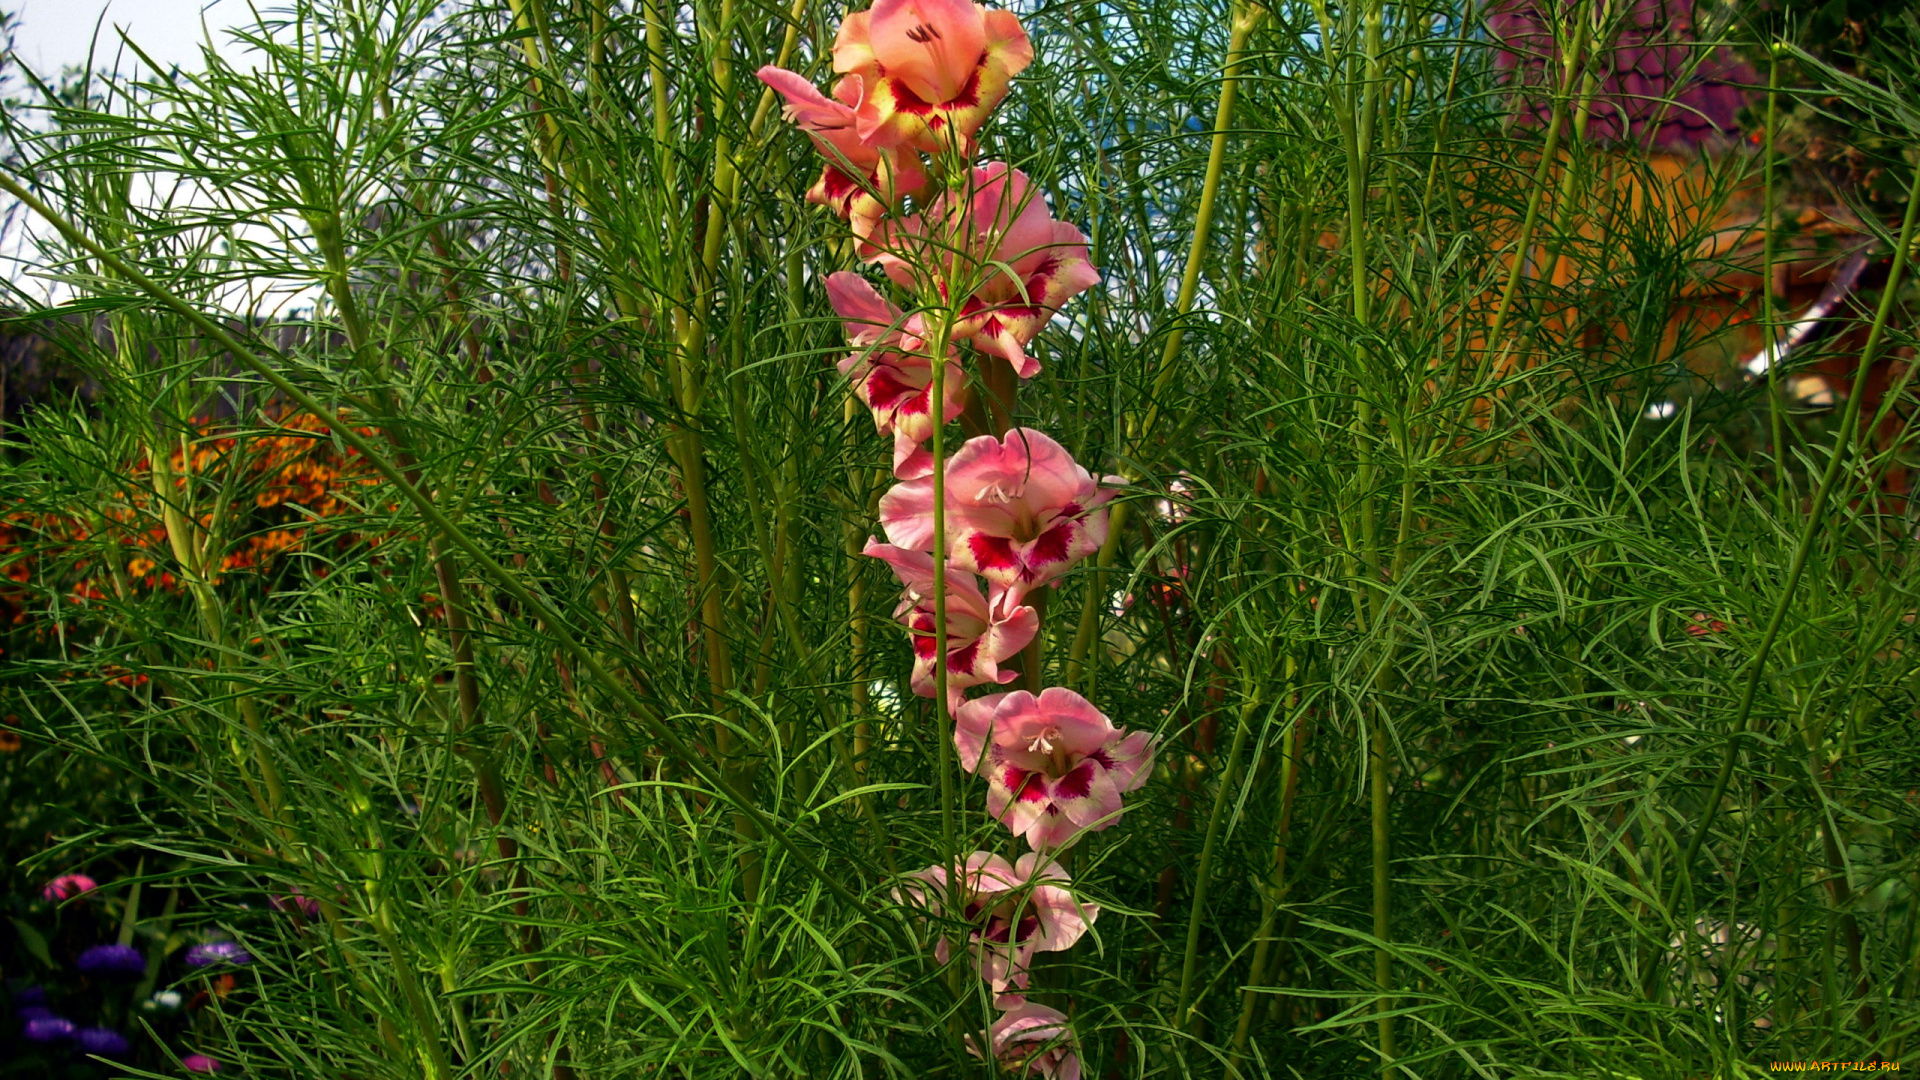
point(937, 447)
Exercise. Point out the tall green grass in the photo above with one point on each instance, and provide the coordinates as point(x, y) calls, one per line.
point(1487, 702)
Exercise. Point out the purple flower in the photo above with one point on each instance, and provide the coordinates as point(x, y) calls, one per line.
point(105, 1042)
point(122, 961)
point(46, 1029)
point(218, 952)
point(30, 995)
point(199, 1063)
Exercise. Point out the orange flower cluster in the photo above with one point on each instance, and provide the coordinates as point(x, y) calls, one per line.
point(280, 489)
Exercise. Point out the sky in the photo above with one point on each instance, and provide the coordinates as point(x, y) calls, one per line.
point(53, 34)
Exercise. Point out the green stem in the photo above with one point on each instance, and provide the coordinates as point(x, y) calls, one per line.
point(943, 719)
point(1776, 424)
point(1294, 742)
point(1187, 1013)
point(1536, 192)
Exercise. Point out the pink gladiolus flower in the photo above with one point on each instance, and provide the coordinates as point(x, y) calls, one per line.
point(1054, 764)
point(933, 70)
point(1019, 510)
point(861, 181)
point(982, 633)
point(1031, 1039)
point(199, 1063)
point(1014, 909)
point(891, 371)
point(999, 219)
point(67, 886)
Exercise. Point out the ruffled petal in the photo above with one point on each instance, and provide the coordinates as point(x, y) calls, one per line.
point(906, 514)
point(932, 46)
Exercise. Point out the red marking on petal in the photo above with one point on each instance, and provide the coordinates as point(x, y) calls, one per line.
point(906, 101)
point(917, 405)
point(1026, 786)
point(837, 187)
point(884, 388)
point(961, 661)
point(923, 646)
point(1076, 784)
point(991, 552)
point(1051, 546)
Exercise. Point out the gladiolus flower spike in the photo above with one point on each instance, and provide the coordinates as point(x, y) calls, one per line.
point(921, 77)
point(998, 220)
point(933, 70)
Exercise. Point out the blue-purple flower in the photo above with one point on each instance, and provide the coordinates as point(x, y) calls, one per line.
point(104, 1042)
point(218, 952)
point(121, 961)
point(47, 1029)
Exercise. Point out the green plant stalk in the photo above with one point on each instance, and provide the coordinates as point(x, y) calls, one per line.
point(434, 1051)
point(1186, 1013)
point(190, 550)
point(130, 915)
point(943, 718)
point(1776, 406)
point(1246, 19)
point(1355, 117)
point(329, 232)
point(181, 533)
point(571, 640)
point(1803, 549)
point(1276, 890)
point(1548, 154)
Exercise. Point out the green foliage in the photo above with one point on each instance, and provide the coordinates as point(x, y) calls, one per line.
point(507, 744)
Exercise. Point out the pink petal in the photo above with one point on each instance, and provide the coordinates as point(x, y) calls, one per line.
point(1062, 920)
point(933, 46)
point(1086, 795)
point(972, 722)
point(867, 314)
point(906, 514)
point(1129, 759)
point(911, 460)
point(1050, 830)
point(1083, 728)
point(807, 107)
